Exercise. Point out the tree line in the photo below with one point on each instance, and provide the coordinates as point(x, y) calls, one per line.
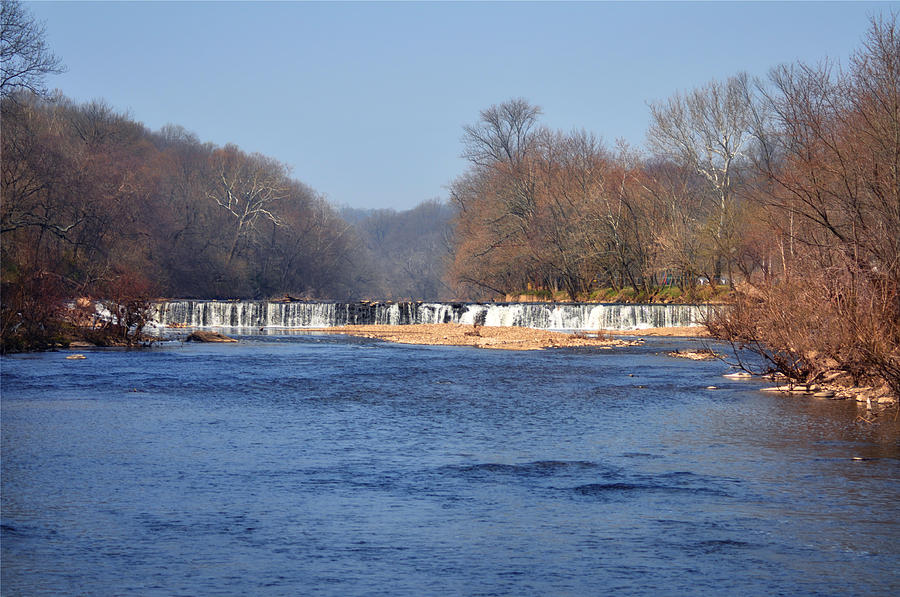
point(94, 203)
point(96, 207)
point(561, 211)
point(787, 189)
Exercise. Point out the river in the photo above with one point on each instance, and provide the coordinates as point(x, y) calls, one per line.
point(320, 465)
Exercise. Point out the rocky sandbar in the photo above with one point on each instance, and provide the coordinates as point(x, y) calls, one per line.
point(454, 334)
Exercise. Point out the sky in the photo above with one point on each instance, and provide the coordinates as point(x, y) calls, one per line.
point(365, 102)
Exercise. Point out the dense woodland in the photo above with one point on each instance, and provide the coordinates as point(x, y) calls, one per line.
point(98, 208)
point(785, 190)
point(407, 250)
point(92, 196)
point(558, 211)
point(95, 205)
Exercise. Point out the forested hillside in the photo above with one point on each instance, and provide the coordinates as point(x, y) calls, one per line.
point(96, 207)
point(408, 250)
point(92, 199)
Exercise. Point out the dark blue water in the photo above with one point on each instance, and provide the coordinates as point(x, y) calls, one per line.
point(332, 466)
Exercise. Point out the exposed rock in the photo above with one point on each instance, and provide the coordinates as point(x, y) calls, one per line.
point(793, 389)
point(80, 344)
point(835, 385)
point(700, 354)
point(207, 336)
point(738, 375)
point(76, 357)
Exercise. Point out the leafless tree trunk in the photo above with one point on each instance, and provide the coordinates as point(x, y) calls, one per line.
point(707, 129)
point(246, 187)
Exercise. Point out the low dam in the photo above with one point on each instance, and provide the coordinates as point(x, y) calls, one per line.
point(559, 316)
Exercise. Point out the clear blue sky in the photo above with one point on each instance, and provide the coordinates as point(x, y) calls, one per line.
point(365, 101)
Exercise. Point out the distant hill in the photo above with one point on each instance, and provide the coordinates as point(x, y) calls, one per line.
point(408, 250)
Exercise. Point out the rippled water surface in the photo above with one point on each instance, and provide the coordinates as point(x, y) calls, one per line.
point(333, 466)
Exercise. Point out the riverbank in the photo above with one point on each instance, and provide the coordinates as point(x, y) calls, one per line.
point(61, 336)
point(692, 331)
point(700, 293)
point(454, 334)
point(871, 395)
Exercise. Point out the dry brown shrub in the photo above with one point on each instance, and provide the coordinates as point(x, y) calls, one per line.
point(835, 319)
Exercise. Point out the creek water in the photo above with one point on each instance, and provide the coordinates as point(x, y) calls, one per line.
point(319, 465)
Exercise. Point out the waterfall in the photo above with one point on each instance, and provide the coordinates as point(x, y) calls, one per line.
point(565, 316)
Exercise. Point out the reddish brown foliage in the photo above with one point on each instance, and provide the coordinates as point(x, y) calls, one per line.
point(836, 186)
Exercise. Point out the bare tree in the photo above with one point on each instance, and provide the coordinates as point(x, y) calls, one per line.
point(829, 139)
point(677, 206)
point(502, 135)
point(707, 129)
point(25, 58)
point(246, 187)
point(497, 197)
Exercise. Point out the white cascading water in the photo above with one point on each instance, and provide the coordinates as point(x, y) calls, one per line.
point(578, 316)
